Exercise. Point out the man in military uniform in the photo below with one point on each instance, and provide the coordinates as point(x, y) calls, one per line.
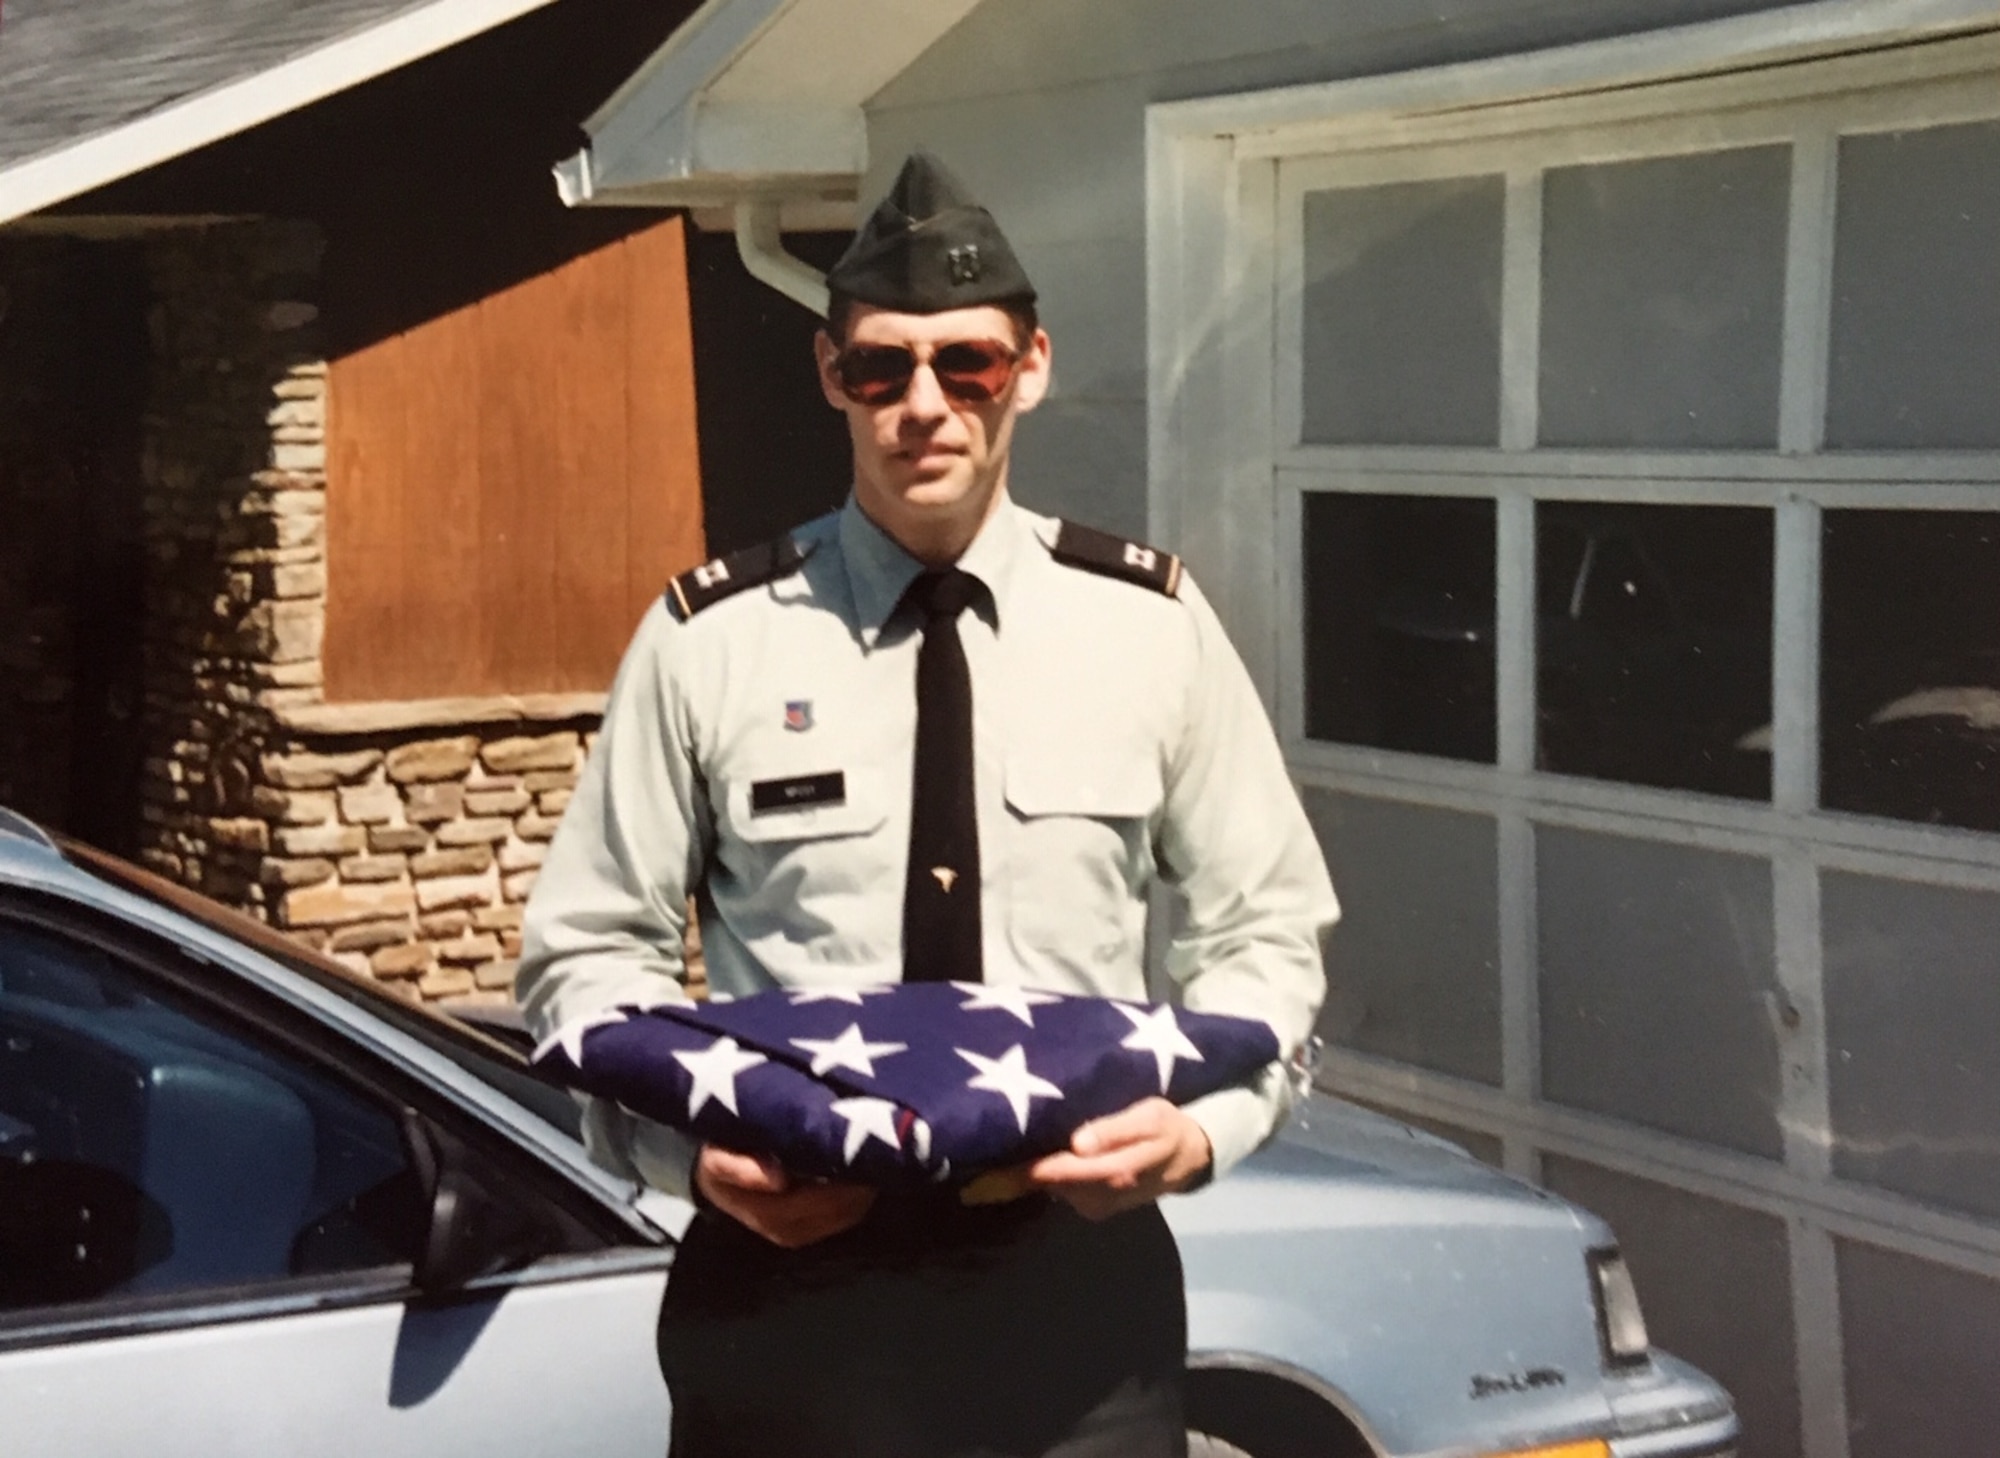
point(934, 736)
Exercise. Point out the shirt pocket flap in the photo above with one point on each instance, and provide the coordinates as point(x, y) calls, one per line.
point(860, 808)
point(1104, 784)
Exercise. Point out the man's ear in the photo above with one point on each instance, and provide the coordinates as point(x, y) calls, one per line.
point(1035, 374)
point(824, 352)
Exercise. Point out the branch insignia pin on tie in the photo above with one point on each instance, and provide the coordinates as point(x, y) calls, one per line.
point(945, 876)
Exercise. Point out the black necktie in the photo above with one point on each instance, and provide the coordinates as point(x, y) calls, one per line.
point(941, 893)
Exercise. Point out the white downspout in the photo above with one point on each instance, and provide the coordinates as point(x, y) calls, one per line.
point(762, 249)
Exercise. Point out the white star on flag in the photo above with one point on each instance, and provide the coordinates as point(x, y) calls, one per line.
point(867, 1119)
point(569, 1037)
point(1008, 1076)
point(983, 996)
point(715, 1073)
point(1156, 1032)
point(836, 994)
point(850, 1050)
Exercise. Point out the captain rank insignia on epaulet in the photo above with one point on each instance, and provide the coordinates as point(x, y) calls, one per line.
point(711, 582)
point(1096, 551)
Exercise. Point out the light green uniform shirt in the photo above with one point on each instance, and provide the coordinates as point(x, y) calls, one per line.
point(1117, 742)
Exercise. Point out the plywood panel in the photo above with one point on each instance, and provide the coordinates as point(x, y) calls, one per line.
point(664, 529)
point(515, 479)
point(517, 473)
point(587, 346)
point(365, 464)
point(438, 515)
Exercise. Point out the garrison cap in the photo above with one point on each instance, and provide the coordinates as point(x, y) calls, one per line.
point(929, 247)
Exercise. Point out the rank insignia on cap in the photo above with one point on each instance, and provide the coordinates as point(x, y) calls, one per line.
point(1101, 552)
point(711, 582)
point(798, 715)
point(928, 247)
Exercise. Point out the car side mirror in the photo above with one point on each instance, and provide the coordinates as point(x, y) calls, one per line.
point(475, 1227)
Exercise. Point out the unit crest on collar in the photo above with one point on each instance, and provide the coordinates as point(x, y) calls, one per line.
point(711, 582)
point(1134, 562)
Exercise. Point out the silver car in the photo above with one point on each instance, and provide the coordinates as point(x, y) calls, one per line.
point(250, 1204)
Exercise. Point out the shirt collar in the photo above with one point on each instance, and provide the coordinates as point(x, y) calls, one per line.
point(880, 571)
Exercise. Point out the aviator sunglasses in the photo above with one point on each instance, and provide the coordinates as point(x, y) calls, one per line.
point(970, 371)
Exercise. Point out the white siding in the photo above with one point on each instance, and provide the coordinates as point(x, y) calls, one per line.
point(1040, 106)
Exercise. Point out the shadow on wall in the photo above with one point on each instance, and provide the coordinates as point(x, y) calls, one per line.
point(73, 364)
point(431, 184)
point(773, 454)
point(433, 191)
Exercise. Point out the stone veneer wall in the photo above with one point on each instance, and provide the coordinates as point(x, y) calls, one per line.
point(401, 839)
point(235, 523)
point(409, 858)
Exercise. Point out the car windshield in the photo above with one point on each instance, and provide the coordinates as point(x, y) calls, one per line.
point(492, 1062)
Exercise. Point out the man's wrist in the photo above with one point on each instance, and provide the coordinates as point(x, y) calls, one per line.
point(698, 1195)
point(1205, 1172)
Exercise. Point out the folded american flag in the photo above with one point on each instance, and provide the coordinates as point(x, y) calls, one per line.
point(916, 1082)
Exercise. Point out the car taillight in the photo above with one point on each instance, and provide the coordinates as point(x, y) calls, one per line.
point(1620, 1324)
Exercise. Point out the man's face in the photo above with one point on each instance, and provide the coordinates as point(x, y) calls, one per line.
point(930, 465)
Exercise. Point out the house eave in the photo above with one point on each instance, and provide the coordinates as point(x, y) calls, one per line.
point(711, 153)
point(808, 200)
point(753, 100)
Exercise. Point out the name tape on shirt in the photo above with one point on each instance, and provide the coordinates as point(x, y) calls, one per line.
point(800, 792)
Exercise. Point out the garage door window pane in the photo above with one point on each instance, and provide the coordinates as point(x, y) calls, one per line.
point(1663, 289)
point(1401, 320)
point(1916, 291)
point(1414, 972)
point(1657, 983)
point(1910, 688)
point(1918, 1340)
point(1912, 1003)
point(1399, 623)
point(1654, 649)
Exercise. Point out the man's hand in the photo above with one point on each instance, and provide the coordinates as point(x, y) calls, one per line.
point(759, 1195)
point(1125, 1160)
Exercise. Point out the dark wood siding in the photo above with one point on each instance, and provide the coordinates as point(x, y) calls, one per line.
point(513, 480)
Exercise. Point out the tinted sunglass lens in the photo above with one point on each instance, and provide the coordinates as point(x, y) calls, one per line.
point(876, 374)
point(973, 370)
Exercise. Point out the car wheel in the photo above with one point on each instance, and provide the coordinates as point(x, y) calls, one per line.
point(1207, 1445)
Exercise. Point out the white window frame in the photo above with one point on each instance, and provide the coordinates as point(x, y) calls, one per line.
point(1212, 221)
point(1228, 475)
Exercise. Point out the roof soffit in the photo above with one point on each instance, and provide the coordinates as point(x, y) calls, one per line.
point(755, 98)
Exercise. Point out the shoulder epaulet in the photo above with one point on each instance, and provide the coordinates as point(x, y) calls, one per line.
point(710, 583)
point(1096, 551)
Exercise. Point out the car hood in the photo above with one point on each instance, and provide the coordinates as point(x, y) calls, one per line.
point(1445, 1306)
point(1340, 1165)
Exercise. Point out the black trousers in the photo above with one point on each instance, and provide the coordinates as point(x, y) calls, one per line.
point(930, 1331)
